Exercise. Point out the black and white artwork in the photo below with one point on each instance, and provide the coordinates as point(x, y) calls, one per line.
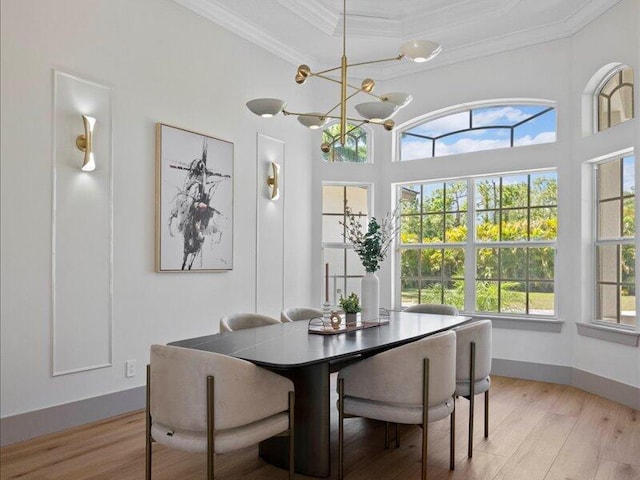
point(194, 230)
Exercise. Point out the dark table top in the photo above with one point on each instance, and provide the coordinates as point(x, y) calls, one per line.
point(289, 345)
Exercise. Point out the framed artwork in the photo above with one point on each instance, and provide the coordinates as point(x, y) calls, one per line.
point(194, 201)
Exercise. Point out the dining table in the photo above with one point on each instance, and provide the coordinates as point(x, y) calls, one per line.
point(308, 359)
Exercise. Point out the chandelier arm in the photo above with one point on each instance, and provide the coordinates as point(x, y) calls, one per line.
point(334, 80)
point(332, 117)
point(382, 60)
point(338, 104)
point(324, 71)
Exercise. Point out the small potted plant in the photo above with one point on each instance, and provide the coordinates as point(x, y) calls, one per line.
point(351, 306)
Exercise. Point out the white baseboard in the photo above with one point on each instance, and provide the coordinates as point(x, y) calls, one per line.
point(28, 425)
point(613, 390)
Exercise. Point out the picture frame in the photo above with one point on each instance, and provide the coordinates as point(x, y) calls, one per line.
point(194, 201)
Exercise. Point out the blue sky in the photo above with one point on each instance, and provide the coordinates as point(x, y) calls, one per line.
point(539, 130)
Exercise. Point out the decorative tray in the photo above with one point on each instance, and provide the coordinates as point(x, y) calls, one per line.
point(321, 326)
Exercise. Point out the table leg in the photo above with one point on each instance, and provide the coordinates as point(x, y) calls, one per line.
point(312, 428)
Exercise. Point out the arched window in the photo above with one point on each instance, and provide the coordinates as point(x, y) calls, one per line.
point(615, 98)
point(355, 149)
point(486, 127)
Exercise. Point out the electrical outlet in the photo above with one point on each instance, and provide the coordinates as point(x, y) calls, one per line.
point(130, 368)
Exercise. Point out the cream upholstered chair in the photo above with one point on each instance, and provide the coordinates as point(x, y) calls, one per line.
point(474, 361)
point(411, 384)
point(240, 321)
point(434, 308)
point(204, 402)
point(299, 313)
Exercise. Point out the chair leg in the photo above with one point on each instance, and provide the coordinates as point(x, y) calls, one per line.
point(425, 415)
point(397, 436)
point(472, 394)
point(340, 428)
point(486, 414)
point(292, 401)
point(386, 435)
point(211, 423)
point(147, 443)
point(452, 438)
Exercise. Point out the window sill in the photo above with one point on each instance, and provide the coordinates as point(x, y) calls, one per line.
point(514, 323)
point(608, 334)
point(520, 323)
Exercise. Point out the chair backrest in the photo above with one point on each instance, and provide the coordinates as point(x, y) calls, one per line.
point(397, 375)
point(434, 308)
point(239, 321)
point(299, 313)
point(479, 332)
point(244, 393)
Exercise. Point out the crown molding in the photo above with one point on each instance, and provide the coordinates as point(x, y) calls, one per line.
point(425, 24)
point(470, 51)
point(214, 11)
point(316, 13)
point(586, 14)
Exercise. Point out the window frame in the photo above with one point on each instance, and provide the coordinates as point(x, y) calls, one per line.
point(469, 107)
point(337, 246)
point(472, 245)
point(618, 241)
point(617, 70)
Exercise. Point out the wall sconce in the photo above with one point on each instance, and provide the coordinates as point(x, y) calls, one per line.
point(273, 181)
point(85, 144)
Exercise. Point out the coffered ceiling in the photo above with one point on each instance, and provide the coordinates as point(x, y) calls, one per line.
point(310, 31)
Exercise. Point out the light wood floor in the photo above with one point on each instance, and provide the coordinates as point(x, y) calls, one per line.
point(539, 431)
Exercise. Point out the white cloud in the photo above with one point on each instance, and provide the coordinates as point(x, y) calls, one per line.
point(499, 116)
point(416, 149)
point(412, 150)
point(466, 145)
point(439, 126)
point(542, 137)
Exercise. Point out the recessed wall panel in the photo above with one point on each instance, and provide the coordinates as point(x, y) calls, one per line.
point(81, 228)
point(269, 231)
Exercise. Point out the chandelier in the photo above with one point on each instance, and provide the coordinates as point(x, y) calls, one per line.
point(377, 111)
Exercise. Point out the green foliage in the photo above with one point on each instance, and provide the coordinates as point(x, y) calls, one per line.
point(518, 207)
point(355, 148)
point(372, 245)
point(350, 304)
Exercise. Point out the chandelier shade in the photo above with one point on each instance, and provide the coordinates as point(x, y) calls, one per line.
point(313, 120)
point(378, 110)
point(397, 98)
point(266, 107)
point(420, 51)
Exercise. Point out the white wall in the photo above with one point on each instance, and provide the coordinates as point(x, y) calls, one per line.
point(612, 38)
point(556, 71)
point(166, 65)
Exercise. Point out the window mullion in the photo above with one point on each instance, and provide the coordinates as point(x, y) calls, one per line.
point(469, 251)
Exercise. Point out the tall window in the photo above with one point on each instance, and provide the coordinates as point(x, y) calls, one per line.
point(509, 259)
point(355, 149)
point(615, 241)
point(345, 268)
point(516, 229)
point(433, 234)
point(483, 128)
point(615, 98)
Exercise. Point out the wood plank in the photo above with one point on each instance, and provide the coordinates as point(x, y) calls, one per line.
point(623, 445)
point(617, 471)
point(601, 443)
point(534, 457)
point(580, 456)
point(530, 411)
